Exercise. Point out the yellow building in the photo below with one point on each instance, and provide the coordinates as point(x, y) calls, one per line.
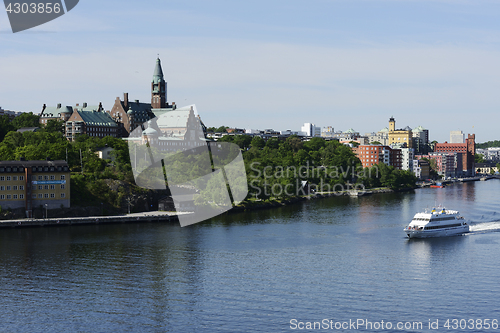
point(399, 136)
point(31, 184)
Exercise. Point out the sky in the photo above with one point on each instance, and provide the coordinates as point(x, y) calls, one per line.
point(271, 64)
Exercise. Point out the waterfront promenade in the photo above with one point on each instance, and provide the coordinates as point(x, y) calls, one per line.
point(156, 216)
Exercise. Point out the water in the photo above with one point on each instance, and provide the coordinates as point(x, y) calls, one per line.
point(338, 259)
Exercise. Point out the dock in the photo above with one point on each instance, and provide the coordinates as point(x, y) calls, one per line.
point(157, 216)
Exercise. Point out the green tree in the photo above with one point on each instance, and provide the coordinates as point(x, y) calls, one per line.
point(5, 126)
point(257, 142)
point(26, 120)
point(55, 125)
point(479, 158)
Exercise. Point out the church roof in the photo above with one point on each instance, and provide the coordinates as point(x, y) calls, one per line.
point(150, 131)
point(175, 118)
point(350, 130)
point(139, 110)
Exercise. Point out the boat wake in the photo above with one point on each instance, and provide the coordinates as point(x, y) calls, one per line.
point(483, 227)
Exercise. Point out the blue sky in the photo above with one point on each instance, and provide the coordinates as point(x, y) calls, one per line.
point(271, 64)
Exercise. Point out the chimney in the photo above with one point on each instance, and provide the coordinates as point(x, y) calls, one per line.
point(100, 107)
point(85, 104)
point(77, 104)
point(59, 105)
point(125, 101)
point(43, 107)
point(137, 101)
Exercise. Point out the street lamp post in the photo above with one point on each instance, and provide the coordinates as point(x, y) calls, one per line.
point(46, 214)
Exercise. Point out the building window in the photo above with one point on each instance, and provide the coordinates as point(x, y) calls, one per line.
point(63, 177)
point(40, 195)
point(8, 188)
point(14, 178)
point(8, 177)
point(34, 196)
point(21, 187)
point(40, 187)
point(46, 177)
point(63, 195)
point(62, 186)
point(2, 196)
point(2, 188)
point(14, 188)
point(2, 178)
point(14, 196)
point(46, 187)
point(21, 177)
point(52, 177)
point(52, 195)
point(8, 196)
point(52, 187)
point(46, 195)
point(40, 177)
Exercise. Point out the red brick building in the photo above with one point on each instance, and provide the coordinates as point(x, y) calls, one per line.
point(465, 152)
point(370, 155)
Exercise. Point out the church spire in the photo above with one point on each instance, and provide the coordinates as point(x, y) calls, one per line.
point(158, 88)
point(158, 73)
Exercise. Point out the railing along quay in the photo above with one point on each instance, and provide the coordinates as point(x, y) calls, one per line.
point(131, 218)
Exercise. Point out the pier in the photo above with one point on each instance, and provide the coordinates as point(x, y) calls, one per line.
point(156, 216)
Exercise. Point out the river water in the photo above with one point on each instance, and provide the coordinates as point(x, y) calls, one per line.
point(334, 261)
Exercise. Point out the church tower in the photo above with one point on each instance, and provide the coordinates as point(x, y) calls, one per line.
point(158, 88)
point(392, 124)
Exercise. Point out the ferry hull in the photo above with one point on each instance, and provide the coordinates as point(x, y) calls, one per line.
point(437, 233)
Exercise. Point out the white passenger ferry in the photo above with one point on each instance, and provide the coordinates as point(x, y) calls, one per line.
point(436, 223)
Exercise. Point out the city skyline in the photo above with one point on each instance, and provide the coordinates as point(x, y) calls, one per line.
point(345, 64)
